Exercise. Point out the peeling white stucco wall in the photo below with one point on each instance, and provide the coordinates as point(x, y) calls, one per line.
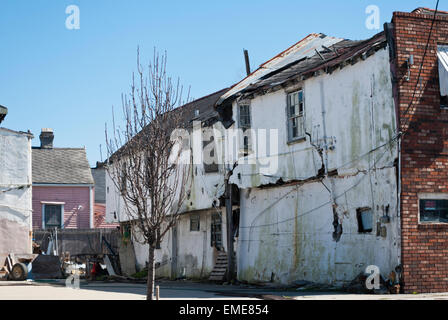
point(193, 251)
point(15, 192)
point(286, 232)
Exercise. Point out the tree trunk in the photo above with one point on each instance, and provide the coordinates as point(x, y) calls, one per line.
point(151, 274)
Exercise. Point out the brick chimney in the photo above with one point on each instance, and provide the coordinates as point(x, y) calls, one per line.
point(46, 138)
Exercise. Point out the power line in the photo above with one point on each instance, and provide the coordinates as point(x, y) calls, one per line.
point(340, 167)
point(311, 210)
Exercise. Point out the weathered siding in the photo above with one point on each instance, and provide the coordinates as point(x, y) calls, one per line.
point(286, 232)
point(15, 204)
point(194, 251)
point(76, 205)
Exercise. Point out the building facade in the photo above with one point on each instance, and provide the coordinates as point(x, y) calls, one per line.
point(188, 249)
point(15, 192)
point(318, 197)
point(420, 40)
point(63, 186)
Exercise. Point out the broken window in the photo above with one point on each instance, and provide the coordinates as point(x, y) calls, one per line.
point(216, 231)
point(52, 216)
point(365, 220)
point(442, 54)
point(209, 155)
point(434, 210)
point(244, 115)
point(194, 222)
point(295, 110)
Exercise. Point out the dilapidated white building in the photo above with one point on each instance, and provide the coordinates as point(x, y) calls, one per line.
point(308, 142)
point(190, 248)
point(15, 192)
point(317, 174)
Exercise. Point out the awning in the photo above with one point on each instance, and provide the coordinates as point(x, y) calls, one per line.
point(442, 54)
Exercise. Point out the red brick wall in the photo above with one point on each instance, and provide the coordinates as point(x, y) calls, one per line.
point(73, 198)
point(424, 152)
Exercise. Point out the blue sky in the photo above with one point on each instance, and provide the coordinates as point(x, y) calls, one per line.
point(68, 80)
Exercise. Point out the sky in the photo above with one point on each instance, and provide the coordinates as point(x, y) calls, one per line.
point(69, 79)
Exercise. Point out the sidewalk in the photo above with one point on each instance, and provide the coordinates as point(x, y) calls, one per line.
point(180, 290)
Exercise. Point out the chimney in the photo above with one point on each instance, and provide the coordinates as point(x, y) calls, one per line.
point(3, 113)
point(46, 138)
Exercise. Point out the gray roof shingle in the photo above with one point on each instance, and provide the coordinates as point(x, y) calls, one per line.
point(61, 166)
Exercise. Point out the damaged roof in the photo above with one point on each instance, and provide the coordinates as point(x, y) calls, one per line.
point(304, 48)
point(201, 109)
point(61, 166)
point(325, 59)
point(428, 11)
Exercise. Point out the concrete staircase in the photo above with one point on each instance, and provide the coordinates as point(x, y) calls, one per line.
point(220, 269)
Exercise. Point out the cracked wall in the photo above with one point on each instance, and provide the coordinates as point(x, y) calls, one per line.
point(299, 222)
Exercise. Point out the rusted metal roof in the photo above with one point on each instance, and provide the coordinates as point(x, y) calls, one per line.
point(302, 49)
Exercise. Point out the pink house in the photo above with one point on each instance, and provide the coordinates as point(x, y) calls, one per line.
point(63, 186)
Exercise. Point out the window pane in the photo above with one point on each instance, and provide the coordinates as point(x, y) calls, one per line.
point(52, 216)
point(295, 110)
point(194, 223)
point(365, 220)
point(244, 116)
point(434, 210)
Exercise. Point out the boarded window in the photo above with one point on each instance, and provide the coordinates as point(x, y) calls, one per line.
point(52, 216)
point(295, 110)
point(365, 220)
point(216, 231)
point(434, 210)
point(194, 222)
point(244, 116)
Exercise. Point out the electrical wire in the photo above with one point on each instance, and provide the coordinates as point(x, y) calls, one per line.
point(420, 70)
point(315, 208)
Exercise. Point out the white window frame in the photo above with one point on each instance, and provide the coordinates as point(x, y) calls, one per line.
point(52, 204)
point(298, 115)
point(240, 124)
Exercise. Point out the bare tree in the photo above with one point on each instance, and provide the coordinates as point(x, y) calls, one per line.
point(144, 157)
